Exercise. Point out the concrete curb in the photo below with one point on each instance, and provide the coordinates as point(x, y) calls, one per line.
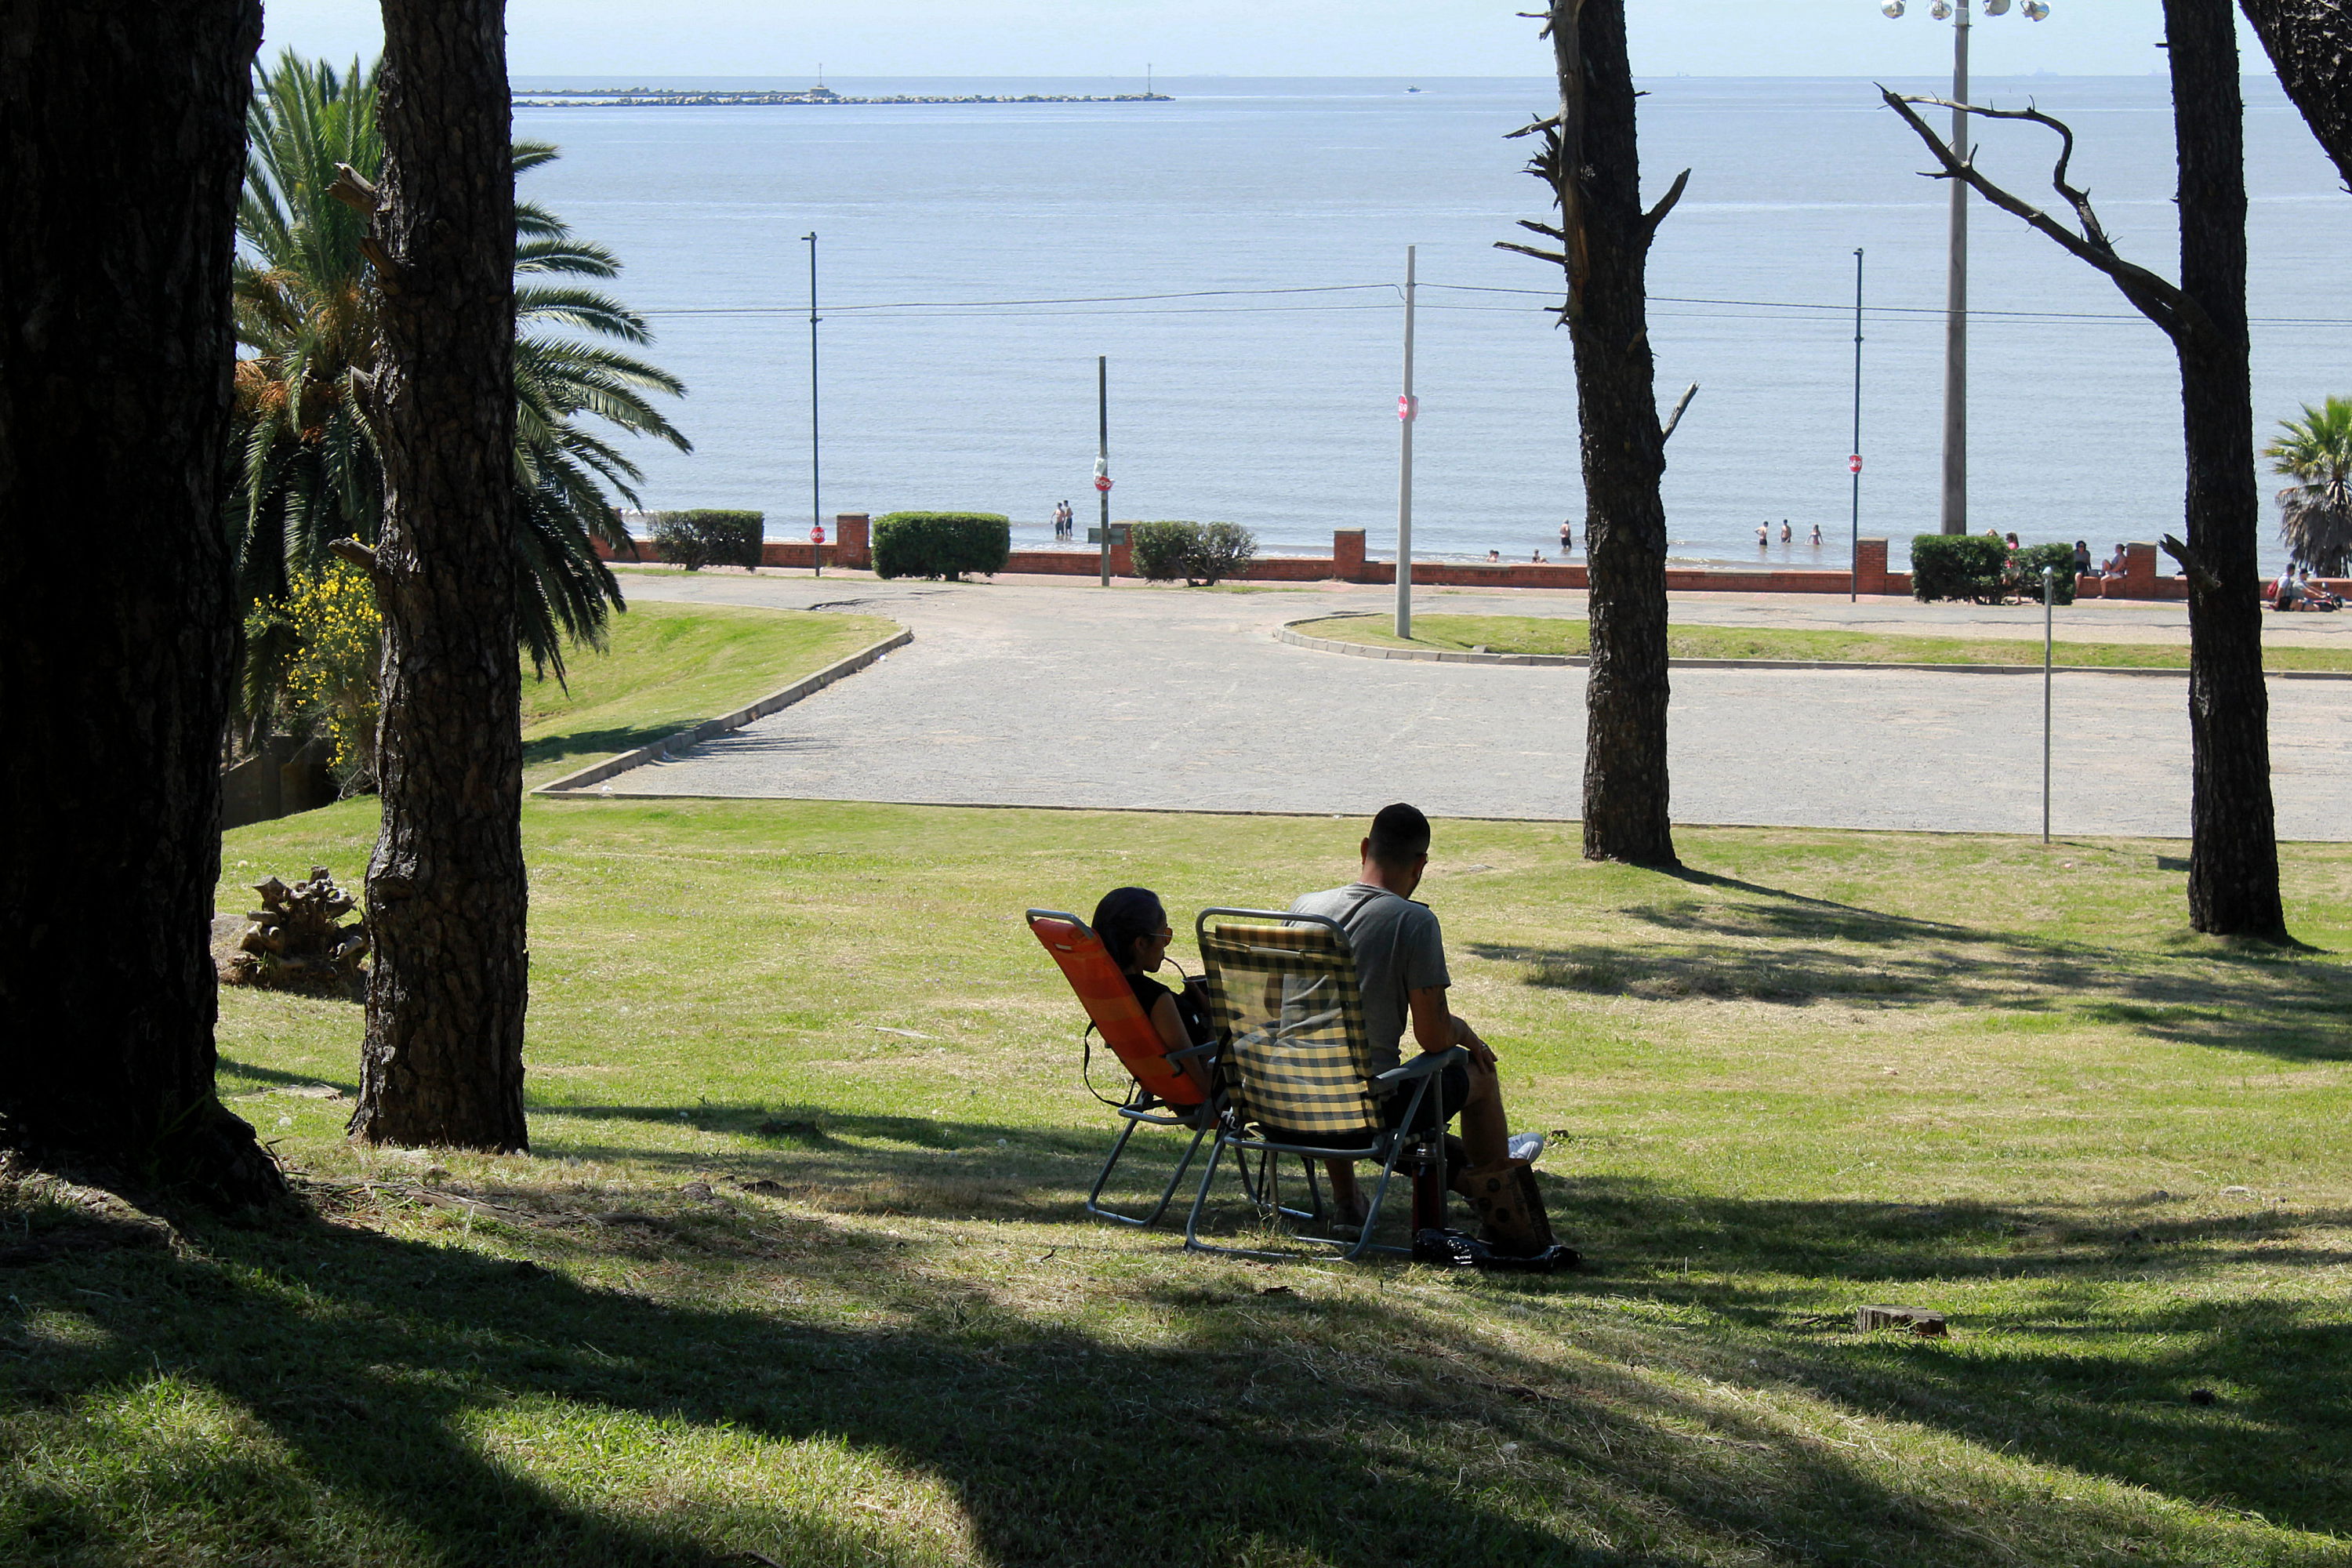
point(807, 686)
point(1289, 633)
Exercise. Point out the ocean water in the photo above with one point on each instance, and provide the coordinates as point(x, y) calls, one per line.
point(976, 258)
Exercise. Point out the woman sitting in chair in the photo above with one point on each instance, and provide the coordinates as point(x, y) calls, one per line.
point(1134, 929)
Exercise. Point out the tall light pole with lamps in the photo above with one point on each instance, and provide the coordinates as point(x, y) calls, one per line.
point(1956, 271)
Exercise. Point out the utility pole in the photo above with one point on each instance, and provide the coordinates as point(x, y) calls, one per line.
point(2049, 597)
point(1102, 454)
point(1956, 305)
point(1406, 409)
point(816, 508)
point(1853, 548)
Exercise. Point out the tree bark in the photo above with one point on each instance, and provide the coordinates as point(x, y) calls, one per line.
point(1605, 237)
point(2234, 880)
point(2310, 42)
point(447, 901)
point(121, 146)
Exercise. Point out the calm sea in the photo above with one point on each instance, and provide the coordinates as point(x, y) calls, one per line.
point(976, 258)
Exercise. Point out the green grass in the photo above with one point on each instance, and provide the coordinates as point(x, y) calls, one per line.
point(796, 1264)
point(670, 666)
point(1553, 634)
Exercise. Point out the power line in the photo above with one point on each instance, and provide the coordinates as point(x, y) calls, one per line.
point(918, 309)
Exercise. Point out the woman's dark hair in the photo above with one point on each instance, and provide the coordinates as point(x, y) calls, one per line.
point(1125, 915)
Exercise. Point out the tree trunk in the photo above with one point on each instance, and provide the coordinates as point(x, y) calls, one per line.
point(121, 148)
point(443, 1060)
point(2233, 881)
point(1626, 808)
point(2310, 42)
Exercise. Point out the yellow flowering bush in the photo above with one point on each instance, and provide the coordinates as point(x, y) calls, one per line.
point(333, 676)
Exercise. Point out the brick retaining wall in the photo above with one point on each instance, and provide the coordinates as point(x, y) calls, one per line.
point(850, 547)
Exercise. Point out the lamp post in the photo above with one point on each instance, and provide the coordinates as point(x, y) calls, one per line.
point(816, 451)
point(1956, 266)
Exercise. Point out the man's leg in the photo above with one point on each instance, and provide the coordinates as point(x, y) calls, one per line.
point(1502, 1189)
point(1486, 1132)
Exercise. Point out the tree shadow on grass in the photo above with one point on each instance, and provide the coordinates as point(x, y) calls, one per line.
point(1768, 945)
point(586, 746)
point(363, 1395)
point(2061, 1365)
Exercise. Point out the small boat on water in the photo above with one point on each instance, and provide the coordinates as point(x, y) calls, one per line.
point(1412, 89)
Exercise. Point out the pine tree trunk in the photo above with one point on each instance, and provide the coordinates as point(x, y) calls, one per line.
point(121, 147)
point(443, 1059)
point(1626, 808)
point(2310, 42)
point(2234, 880)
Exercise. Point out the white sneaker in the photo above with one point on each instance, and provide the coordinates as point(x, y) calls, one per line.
point(1527, 1146)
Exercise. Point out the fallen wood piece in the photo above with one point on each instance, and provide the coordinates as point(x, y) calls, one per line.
point(1920, 1320)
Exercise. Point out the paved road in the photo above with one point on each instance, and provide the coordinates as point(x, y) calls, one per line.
point(1024, 694)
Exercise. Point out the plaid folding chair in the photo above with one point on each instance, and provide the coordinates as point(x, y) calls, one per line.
point(1295, 1067)
point(1170, 1089)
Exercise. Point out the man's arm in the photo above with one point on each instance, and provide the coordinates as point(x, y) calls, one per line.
point(1437, 1029)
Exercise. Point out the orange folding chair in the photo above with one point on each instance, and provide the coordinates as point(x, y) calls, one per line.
point(1170, 1089)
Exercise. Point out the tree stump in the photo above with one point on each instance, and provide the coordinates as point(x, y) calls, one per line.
point(296, 942)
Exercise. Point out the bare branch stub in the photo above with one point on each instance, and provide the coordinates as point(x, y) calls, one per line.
point(1666, 431)
point(2159, 301)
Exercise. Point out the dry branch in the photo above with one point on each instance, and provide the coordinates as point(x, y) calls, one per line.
point(2160, 301)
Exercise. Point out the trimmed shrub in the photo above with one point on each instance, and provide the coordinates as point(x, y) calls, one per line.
point(941, 543)
point(1163, 551)
point(1960, 566)
point(1201, 553)
point(1225, 549)
point(2026, 576)
point(698, 539)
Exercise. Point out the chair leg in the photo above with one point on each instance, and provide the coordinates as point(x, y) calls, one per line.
point(1167, 1195)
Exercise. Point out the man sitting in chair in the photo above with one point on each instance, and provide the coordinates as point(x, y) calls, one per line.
point(1400, 966)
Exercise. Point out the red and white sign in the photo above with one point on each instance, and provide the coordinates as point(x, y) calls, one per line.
point(1102, 482)
point(1854, 464)
point(816, 533)
point(1408, 406)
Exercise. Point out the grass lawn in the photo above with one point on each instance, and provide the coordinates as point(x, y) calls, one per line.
point(1551, 634)
point(795, 1265)
point(670, 666)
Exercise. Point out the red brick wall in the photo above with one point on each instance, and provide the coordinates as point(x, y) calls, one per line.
point(850, 547)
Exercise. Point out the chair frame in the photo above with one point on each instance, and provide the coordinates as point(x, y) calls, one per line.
point(1388, 1145)
point(1145, 1108)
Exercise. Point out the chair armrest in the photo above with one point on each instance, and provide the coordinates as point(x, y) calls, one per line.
point(1423, 1064)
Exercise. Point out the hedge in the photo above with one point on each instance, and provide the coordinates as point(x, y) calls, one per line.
point(2026, 576)
point(1978, 566)
point(941, 543)
point(1960, 566)
point(1201, 553)
point(698, 539)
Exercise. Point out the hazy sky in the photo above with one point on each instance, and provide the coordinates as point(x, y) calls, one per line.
point(612, 40)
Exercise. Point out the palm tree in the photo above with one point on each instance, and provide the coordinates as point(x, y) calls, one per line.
point(2316, 511)
point(305, 451)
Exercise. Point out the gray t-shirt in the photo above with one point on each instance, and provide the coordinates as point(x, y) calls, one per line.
point(1399, 949)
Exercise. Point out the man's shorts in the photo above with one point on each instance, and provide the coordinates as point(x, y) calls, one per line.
point(1443, 1102)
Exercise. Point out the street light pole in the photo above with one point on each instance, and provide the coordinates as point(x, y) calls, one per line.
point(1854, 463)
point(1955, 305)
point(816, 486)
point(1405, 412)
point(1102, 454)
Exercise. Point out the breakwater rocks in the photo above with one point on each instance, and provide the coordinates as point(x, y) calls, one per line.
point(658, 98)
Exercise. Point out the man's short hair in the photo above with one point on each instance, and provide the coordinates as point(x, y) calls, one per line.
point(1400, 835)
